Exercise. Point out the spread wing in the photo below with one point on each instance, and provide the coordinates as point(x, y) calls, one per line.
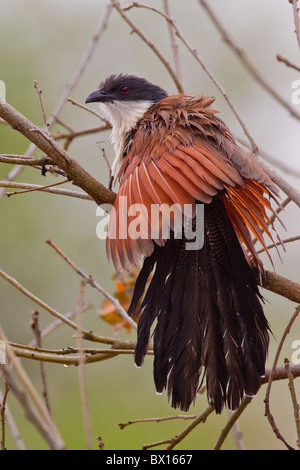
point(182, 153)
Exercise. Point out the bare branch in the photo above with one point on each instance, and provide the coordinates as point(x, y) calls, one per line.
point(271, 160)
point(87, 55)
point(85, 59)
point(294, 398)
point(43, 421)
point(37, 333)
point(285, 241)
point(281, 286)
point(40, 94)
point(12, 427)
point(60, 157)
point(173, 43)
point(87, 334)
point(116, 4)
point(156, 420)
point(232, 420)
point(2, 415)
point(94, 284)
point(81, 369)
point(287, 62)
point(35, 189)
point(89, 110)
point(63, 357)
point(205, 68)
point(172, 442)
point(46, 189)
point(279, 180)
point(270, 380)
point(25, 160)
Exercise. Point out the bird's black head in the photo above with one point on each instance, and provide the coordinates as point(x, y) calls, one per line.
point(126, 88)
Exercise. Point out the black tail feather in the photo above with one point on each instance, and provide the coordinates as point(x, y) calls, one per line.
point(209, 314)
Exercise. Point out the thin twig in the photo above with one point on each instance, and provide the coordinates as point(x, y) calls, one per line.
point(53, 326)
point(116, 4)
point(296, 19)
point(25, 160)
point(87, 334)
point(81, 369)
point(156, 420)
point(94, 284)
point(267, 397)
point(246, 62)
point(40, 93)
point(237, 433)
point(230, 423)
point(45, 423)
point(37, 333)
point(82, 65)
point(60, 157)
point(173, 441)
point(2, 415)
point(100, 442)
point(13, 193)
point(287, 62)
point(12, 427)
point(86, 57)
point(201, 418)
point(285, 241)
point(205, 68)
point(46, 189)
point(72, 135)
point(111, 178)
point(272, 160)
point(281, 286)
point(89, 110)
point(282, 183)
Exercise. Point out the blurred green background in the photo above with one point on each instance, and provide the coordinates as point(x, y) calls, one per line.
point(44, 41)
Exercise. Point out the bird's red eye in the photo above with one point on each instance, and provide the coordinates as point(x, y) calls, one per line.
point(124, 90)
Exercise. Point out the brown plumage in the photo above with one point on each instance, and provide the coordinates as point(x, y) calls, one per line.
point(182, 153)
point(206, 303)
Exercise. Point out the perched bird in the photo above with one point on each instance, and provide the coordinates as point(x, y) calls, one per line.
point(175, 151)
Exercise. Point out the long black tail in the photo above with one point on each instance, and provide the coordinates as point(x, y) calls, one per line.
point(209, 317)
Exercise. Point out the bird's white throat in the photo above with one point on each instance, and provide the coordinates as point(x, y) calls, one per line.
point(123, 116)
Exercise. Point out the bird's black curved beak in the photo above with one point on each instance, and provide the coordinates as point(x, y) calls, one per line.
point(98, 95)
